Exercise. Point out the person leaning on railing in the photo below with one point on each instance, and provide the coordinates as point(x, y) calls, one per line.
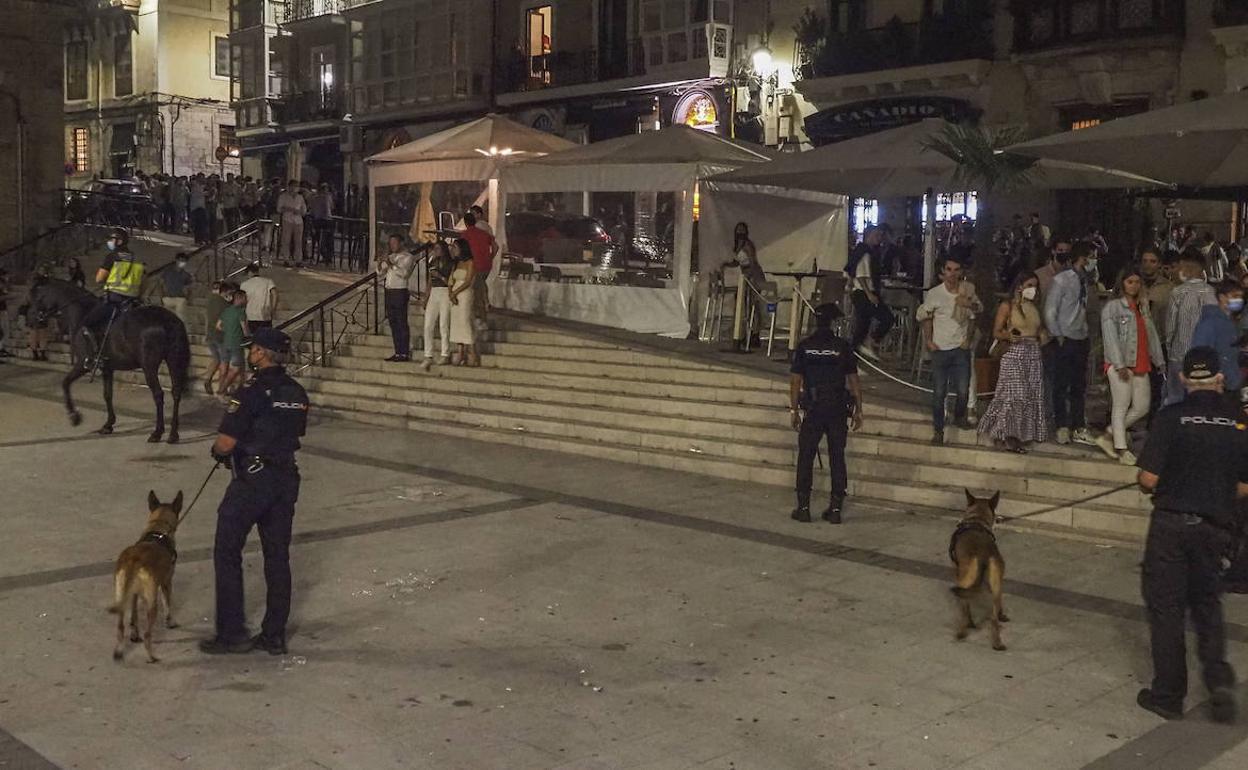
point(745, 256)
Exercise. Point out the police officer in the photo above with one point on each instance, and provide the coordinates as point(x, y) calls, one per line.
point(1195, 464)
point(121, 273)
point(824, 383)
point(257, 439)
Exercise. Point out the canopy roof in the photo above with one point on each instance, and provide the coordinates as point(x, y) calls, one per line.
point(898, 162)
point(1203, 143)
point(474, 140)
point(473, 150)
point(667, 159)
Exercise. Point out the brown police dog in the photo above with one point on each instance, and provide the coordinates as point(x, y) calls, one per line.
point(144, 573)
point(973, 549)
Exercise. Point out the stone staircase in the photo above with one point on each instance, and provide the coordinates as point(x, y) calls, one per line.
point(544, 386)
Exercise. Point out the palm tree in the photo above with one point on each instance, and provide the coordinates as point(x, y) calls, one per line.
point(983, 167)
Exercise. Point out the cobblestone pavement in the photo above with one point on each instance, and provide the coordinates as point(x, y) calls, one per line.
point(461, 605)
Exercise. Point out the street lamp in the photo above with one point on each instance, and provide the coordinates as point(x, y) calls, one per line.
point(763, 62)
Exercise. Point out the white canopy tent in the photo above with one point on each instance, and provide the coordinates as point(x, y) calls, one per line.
point(476, 150)
point(671, 160)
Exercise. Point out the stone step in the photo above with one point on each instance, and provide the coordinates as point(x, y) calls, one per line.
point(773, 448)
point(863, 483)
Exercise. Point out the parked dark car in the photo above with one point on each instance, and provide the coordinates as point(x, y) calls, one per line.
point(556, 239)
point(122, 202)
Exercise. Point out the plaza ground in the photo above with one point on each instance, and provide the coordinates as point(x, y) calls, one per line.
point(463, 605)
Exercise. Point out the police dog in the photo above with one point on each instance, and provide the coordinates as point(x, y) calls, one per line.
point(144, 573)
point(973, 549)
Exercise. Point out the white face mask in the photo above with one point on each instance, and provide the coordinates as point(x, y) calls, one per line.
point(1029, 293)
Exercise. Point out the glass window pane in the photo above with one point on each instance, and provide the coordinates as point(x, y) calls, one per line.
point(651, 17)
point(698, 35)
point(674, 14)
point(677, 47)
point(654, 51)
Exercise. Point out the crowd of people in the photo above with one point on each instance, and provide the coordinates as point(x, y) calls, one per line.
point(307, 224)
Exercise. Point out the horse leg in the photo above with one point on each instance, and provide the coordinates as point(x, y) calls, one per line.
point(107, 374)
point(75, 417)
point(150, 373)
point(179, 384)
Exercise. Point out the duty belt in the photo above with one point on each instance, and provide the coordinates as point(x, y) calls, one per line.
point(1190, 519)
point(252, 464)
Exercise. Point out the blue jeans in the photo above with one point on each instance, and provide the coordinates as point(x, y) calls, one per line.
point(951, 370)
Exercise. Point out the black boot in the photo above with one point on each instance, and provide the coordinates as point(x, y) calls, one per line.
point(271, 645)
point(833, 513)
point(801, 513)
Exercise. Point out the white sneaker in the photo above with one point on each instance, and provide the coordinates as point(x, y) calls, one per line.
point(1063, 436)
point(428, 364)
point(1106, 445)
point(1127, 457)
point(1082, 436)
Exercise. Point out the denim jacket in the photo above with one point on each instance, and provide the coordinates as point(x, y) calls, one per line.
point(1118, 330)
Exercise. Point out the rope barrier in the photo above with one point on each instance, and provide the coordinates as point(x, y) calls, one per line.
point(863, 359)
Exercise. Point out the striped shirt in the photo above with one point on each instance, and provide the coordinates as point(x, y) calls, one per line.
point(1183, 313)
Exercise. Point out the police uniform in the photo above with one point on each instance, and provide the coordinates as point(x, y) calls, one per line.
point(1198, 449)
point(824, 361)
point(122, 286)
point(267, 417)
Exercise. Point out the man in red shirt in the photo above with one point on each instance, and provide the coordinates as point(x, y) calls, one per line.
point(484, 249)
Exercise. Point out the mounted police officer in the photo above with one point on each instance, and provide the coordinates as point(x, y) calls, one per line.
point(824, 384)
point(258, 438)
point(121, 273)
point(1196, 466)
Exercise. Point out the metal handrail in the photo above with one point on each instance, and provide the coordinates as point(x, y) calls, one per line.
point(319, 328)
point(371, 277)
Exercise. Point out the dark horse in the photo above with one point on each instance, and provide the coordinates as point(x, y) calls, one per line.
point(142, 337)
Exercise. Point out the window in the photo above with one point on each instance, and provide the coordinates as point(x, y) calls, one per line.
point(123, 65)
point(950, 205)
point(79, 150)
point(76, 70)
point(865, 211)
point(399, 58)
point(220, 56)
point(540, 23)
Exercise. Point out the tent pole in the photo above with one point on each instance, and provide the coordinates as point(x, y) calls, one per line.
point(372, 223)
point(929, 239)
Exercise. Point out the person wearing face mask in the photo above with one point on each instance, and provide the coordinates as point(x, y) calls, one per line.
point(1019, 412)
point(121, 274)
point(1132, 349)
point(1066, 318)
point(177, 281)
point(1218, 328)
point(257, 441)
point(1183, 312)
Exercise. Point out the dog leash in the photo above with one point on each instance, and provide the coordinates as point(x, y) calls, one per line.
point(203, 486)
point(1068, 503)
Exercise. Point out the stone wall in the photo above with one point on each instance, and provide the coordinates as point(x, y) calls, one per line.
point(32, 68)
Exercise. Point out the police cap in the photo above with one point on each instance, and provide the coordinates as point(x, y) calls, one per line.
point(828, 312)
point(271, 339)
point(1201, 364)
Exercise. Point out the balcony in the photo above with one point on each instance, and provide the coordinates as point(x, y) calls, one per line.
point(314, 10)
point(308, 107)
point(1044, 24)
point(249, 14)
point(520, 72)
point(896, 45)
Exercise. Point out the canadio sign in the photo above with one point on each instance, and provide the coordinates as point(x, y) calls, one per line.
point(849, 120)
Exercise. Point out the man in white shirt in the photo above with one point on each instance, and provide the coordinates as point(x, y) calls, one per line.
point(291, 209)
point(395, 270)
point(946, 314)
point(261, 298)
point(482, 223)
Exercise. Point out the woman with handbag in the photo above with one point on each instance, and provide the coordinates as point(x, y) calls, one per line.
point(1018, 413)
point(1132, 349)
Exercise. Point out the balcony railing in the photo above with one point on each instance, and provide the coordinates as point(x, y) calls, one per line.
point(1043, 24)
point(245, 14)
point(939, 39)
point(300, 10)
point(520, 72)
point(308, 106)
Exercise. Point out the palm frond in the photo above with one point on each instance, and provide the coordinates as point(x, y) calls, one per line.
point(980, 165)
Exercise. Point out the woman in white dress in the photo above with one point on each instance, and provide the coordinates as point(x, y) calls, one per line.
point(438, 304)
point(462, 332)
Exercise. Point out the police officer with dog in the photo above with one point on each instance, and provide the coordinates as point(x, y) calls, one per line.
point(825, 399)
point(257, 440)
point(1195, 464)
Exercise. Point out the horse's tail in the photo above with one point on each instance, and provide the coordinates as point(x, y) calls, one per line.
point(179, 359)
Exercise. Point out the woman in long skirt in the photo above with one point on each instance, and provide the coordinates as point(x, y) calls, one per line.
point(1018, 413)
point(462, 333)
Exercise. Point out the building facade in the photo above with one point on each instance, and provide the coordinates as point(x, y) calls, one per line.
point(147, 89)
point(860, 66)
point(31, 171)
